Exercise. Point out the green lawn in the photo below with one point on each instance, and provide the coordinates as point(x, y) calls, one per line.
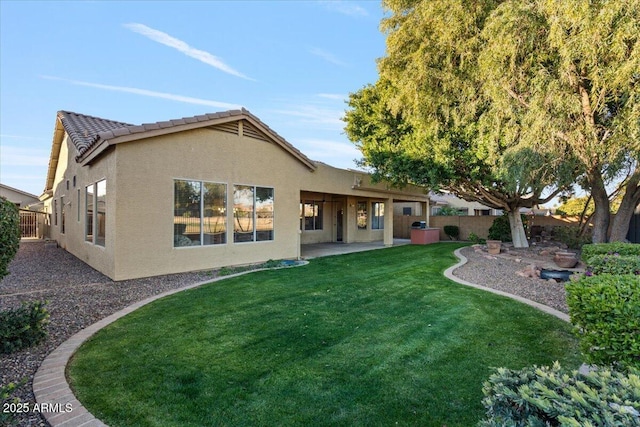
point(371, 338)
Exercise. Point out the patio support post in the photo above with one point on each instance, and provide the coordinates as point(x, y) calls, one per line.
point(427, 206)
point(388, 222)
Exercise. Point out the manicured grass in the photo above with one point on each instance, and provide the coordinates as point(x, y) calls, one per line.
point(371, 338)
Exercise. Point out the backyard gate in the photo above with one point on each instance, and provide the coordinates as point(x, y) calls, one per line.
point(32, 224)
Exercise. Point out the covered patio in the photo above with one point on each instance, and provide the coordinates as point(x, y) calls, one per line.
point(317, 250)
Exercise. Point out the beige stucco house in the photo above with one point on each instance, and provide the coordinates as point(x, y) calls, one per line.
point(200, 193)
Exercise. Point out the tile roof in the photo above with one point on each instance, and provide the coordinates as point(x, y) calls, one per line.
point(87, 131)
point(84, 130)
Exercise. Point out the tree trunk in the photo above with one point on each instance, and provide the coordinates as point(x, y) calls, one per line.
point(630, 201)
point(517, 229)
point(601, 215)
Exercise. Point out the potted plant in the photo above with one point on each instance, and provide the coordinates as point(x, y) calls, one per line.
point(494, 246)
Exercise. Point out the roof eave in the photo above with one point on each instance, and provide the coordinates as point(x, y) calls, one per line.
point(58, 137)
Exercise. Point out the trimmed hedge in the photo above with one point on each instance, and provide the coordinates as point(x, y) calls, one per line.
point(610, 249)
point(553, 396)
point(23, 327)
point(9, 234)
point(613, 264)
point(605, 312)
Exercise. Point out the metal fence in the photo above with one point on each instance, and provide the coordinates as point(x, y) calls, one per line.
point(32, 224)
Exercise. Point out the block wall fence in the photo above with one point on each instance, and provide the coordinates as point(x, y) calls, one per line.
point(471, 224)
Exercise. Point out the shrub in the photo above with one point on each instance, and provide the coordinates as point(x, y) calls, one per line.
point(610, 249)
point(7, 397)
point(605, 312)
point(453, 231)
point(500, 229)
point(553, 396)
point(570, 236)
point(475, 239)
point(23, 327)
point(9, 234)
point(614, 264)
point(449, 211)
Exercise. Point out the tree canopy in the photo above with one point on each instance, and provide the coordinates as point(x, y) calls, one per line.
point(506, 103)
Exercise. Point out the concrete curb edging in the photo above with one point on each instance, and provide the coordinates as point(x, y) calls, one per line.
point(55, 398)
point(463, 260)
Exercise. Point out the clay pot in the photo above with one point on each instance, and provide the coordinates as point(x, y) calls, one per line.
point(565, 259)
point(493, 246)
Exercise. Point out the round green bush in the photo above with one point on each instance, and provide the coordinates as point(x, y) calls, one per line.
point(453, 231)
point(500, 229)
point(9, 234)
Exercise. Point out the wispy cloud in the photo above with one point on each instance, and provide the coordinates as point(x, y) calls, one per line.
point(333, 96)
point(4, 135)
point(325, 118)
point(344, 8)
point(327, 56)
point(20, 156)
point(153, 94)
point(181, 46)
point(323, 149)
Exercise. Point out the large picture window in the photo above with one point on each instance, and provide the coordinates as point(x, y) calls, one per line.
point(377, 215)
point(361, 215)
point(96, 213)
point(312, 213)
point(199, 213)
point(253, 213)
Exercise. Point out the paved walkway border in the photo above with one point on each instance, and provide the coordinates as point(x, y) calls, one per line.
point(59, 405)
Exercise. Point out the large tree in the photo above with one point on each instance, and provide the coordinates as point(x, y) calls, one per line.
point(572, 70)
point(498, 99)
point(428, 119)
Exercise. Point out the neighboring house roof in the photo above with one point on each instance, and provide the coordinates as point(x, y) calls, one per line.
point(15, 190)
point(92, 135)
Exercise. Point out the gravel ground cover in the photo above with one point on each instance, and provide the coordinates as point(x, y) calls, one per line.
point(78, 296)
point(501, 272)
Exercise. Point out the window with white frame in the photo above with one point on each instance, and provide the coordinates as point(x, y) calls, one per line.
point(199, 213)
point(312, 213)
point(96, 213)
point(377, 215)
point(253, 213)
point(361, 215)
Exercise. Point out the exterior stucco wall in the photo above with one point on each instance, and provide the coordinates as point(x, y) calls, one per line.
point(73, 239)
point(140, 177)
point(146, 171)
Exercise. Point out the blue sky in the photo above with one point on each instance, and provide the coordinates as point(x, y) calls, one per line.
point(291, 63)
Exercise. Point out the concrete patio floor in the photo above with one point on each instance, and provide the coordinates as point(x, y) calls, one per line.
point(326, 249)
